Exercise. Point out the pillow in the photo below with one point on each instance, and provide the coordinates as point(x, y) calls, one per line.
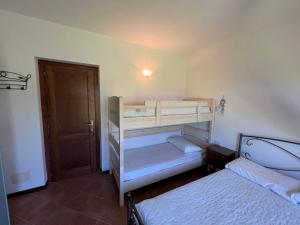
point(296, 197)
point(184, 145)
point(282, 185)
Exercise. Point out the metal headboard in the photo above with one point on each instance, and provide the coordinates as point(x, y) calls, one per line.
point(274, 143)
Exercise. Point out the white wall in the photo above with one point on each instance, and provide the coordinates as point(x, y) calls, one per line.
point(259, 74)
point(23, 39)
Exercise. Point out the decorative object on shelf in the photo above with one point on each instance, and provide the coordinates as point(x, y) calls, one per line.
point(11, 80)
point(220, 108)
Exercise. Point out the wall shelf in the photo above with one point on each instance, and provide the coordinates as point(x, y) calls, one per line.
point(15, 81)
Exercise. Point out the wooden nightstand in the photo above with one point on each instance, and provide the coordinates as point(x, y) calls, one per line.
point(217, 157)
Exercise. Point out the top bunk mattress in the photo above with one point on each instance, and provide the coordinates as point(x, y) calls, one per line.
point(143, 161)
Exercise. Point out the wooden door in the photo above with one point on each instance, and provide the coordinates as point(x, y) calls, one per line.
point(70, 99)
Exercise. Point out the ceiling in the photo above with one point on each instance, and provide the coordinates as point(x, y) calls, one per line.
point(171, 25)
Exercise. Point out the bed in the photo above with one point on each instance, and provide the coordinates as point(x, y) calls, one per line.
point(136, 167)
point(239, 194)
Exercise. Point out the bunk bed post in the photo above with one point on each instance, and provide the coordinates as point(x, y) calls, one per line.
point(121, 139)
point(211, 123)
point(116, 137)
point(158, 113)
point(198, 112)
point(109, 131)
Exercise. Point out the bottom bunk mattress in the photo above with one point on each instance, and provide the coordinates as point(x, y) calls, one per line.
point(143, 161)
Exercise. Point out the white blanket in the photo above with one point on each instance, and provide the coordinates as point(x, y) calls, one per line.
point(223, 198)
point(151, 159)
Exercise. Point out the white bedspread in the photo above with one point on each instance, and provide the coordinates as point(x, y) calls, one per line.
point(143, 161)
point(223, 198)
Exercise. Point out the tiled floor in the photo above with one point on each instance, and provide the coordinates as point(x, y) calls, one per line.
point(86, 200)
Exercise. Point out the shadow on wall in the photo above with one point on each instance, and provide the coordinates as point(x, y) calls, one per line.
point(277, 106)
point(259, 75)
point(7, 137)
point(259, 107)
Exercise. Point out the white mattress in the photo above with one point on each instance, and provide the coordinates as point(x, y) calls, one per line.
point(223, 198)
point(143, 161)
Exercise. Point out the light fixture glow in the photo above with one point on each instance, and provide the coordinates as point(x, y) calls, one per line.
point(147, 72)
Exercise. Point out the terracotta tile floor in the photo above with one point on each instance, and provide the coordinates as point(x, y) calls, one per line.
point(85, 200)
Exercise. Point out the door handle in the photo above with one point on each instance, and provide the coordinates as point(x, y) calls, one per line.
point(90, 125)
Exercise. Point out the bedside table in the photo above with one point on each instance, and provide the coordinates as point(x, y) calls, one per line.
point(217, 157)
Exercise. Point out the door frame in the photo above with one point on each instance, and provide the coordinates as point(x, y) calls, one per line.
point(46, 126)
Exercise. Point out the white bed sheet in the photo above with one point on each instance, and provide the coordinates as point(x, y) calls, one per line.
point(223, 198)
point(150, 159)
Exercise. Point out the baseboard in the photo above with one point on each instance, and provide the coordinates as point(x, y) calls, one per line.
point(28, 191)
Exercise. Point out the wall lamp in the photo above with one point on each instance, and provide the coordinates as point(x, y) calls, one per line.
point(147, 72)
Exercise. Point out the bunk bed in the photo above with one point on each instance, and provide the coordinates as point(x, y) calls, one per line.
point(137, 167)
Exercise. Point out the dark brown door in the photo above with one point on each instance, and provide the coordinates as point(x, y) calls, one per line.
point(70, 114)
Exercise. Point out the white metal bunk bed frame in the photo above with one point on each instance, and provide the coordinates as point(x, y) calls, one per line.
point(135, 126)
